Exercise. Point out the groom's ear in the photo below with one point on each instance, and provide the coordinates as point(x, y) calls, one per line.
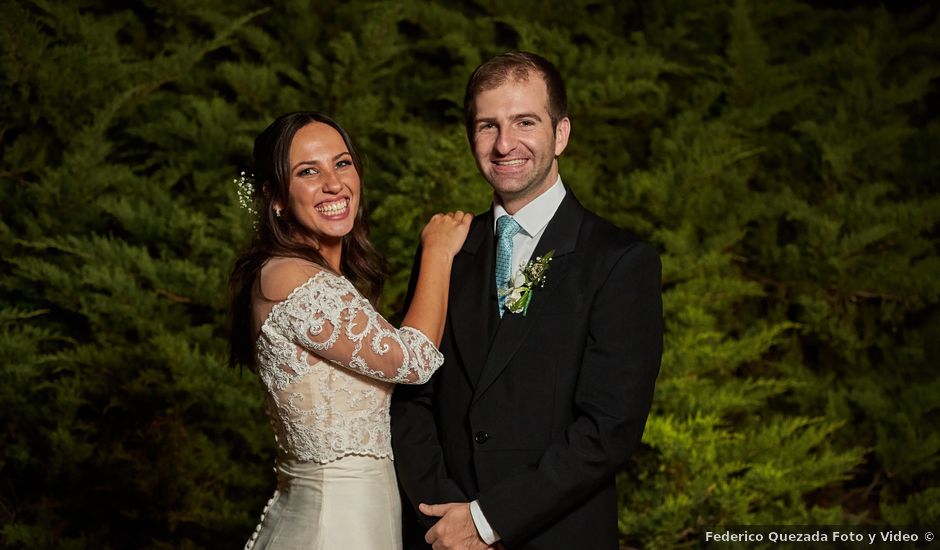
point(562, 131)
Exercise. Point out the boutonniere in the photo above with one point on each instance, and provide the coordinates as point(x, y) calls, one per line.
point(524, 282)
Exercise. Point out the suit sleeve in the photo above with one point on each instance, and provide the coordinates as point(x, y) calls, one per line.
point(419, 460)
point(612, 400)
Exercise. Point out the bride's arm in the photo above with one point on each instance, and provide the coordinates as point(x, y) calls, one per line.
point(441, 239)
point(327, 318)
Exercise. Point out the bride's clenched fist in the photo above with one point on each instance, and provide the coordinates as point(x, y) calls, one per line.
point(446, 232)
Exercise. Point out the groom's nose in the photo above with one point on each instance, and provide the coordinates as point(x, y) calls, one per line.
point(506, 141)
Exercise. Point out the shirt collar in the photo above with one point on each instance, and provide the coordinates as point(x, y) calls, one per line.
point(534, 216)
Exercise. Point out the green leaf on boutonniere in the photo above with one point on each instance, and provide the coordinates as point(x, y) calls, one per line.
point(524, 282)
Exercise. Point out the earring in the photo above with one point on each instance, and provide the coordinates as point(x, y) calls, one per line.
point(277, 212)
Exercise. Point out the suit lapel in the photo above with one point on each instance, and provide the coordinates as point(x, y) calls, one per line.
point(473, 296)
point(560, 235)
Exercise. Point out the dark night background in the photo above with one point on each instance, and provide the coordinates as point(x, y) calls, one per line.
point(783, 157)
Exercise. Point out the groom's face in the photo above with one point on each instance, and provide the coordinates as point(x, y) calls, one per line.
point(514, 142)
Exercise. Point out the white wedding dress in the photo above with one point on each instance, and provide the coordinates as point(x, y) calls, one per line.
point(328, 363)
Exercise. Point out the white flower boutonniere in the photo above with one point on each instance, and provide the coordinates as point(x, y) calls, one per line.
point(524, 282)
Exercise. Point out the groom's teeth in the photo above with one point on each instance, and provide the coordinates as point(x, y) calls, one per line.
point(333, 207)
point(510, 162)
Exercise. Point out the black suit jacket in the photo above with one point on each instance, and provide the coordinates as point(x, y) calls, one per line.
point(534, 415)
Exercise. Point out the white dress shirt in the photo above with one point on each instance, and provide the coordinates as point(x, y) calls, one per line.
point(533, 218)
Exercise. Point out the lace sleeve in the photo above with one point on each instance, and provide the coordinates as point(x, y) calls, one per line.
point(329, 317)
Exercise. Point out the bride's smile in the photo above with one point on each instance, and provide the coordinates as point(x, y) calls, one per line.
point(325, 187)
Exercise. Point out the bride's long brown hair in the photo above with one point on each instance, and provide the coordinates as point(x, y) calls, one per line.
point(283, 236)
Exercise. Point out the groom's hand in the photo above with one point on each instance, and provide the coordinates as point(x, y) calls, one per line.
point(455, 530)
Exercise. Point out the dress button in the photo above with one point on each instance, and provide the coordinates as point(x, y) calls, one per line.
point(481, 437)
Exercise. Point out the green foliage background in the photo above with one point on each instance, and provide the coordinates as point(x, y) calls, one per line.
point(783, 156)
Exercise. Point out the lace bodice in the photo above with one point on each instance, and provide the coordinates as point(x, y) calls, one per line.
point(328, 362)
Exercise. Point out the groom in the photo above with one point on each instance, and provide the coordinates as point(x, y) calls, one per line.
point(519, 436)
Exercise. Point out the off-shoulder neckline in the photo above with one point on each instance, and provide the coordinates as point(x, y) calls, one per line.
point(290, 295)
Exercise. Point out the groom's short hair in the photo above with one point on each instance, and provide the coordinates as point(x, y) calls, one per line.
point(515, 66)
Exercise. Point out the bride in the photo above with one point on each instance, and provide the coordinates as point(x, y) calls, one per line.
point(304, 319)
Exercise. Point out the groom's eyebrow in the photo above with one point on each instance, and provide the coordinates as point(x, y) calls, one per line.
point(512, 118)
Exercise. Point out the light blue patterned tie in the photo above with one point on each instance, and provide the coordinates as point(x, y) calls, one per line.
point(506, 229)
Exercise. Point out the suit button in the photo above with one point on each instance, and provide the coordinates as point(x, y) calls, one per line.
point(481, 437)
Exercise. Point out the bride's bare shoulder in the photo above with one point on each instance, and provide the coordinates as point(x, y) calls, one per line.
point(280, 276)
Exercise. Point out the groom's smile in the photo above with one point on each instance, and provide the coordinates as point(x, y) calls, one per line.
point(514, 143)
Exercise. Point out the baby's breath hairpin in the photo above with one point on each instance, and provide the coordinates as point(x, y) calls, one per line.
point(245, 189)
